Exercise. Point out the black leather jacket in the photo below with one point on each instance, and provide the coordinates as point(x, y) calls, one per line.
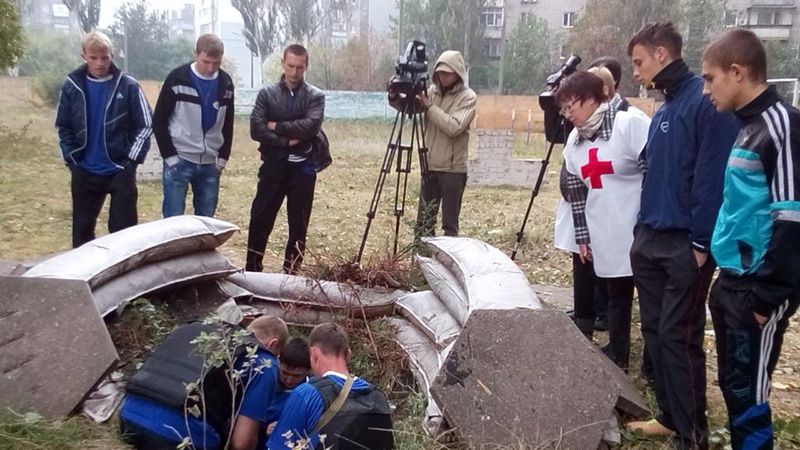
point(298, 113)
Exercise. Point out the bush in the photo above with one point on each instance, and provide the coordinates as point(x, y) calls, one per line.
point(47, 85)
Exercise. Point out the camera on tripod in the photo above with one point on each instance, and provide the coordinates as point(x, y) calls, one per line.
point(556, 129)
point(411, 72)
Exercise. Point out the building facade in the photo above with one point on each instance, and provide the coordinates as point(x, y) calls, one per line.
point(48, 15)
point(771, 20)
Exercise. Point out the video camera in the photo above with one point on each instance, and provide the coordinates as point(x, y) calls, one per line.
point(553, 129)
point(411, 71)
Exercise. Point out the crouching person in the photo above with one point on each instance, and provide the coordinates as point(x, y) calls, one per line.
point(337, 410)
point(159, 412)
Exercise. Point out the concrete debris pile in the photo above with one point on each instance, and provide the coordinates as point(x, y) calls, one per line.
point(487, 355)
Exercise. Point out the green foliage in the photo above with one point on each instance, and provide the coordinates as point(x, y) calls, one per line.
point(31, 431)
point(219, 350)
point(362, 64)
point(605, 27)
point(48, 57)
point(700, 21)
point(527, 58)
point(448, 25)
point(150, 52)
point(11, 45)
point(47, 52)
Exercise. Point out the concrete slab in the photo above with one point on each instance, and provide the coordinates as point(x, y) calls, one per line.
point(555, 297)
point(54, 347)
point(7, 267)
point(525, 379)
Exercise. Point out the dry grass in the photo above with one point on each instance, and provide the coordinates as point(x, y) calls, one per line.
point(35, 213)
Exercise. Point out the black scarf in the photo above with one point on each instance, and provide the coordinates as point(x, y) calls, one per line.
point(670, 79)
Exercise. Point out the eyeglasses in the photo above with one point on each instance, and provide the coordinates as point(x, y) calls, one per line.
point(568, 108)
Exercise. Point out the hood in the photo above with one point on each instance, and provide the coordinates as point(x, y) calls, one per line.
point(454, 61)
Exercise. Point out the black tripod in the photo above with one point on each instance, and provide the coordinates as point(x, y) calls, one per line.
point(535, 191)
point(409, 111)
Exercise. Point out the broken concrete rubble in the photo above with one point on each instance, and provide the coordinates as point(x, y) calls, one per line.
point(54, 347)
point(525, 378)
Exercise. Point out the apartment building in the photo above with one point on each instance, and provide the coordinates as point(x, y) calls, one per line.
point(771, 20)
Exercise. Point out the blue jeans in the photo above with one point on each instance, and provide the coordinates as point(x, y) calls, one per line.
point(204, 179)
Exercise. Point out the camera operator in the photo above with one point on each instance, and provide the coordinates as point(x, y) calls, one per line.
point(449, 107)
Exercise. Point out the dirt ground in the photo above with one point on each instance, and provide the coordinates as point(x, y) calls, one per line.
point(35, 219)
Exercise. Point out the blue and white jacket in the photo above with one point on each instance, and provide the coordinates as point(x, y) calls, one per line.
point(756, 240)
point(128, 119)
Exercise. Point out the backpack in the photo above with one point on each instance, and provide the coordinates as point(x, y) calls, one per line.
point(321, 151)
point(360, 423)
point(176, 362)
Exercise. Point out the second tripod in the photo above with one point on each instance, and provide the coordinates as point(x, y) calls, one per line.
point(398, 154)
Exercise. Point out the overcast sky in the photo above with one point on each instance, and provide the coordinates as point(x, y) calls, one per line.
point(108, 7)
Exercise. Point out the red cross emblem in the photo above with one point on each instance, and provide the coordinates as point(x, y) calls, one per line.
point(594, 169)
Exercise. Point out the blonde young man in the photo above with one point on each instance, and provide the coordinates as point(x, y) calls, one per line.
point(104, 127)
point(193, 125)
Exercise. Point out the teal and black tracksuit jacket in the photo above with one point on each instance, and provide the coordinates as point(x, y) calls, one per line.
point(756, 243)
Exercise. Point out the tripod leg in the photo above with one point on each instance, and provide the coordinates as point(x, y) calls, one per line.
point(386, 167)
point(534, 193)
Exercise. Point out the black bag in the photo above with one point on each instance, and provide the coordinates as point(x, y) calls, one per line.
point(364, 421)
point(321, 151)
point(175, 363)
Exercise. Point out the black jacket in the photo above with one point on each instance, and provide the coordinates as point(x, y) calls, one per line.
point(299, 114)
point(127, 119)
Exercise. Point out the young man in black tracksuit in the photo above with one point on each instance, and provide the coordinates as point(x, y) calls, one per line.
point(285, 120)
point(756, 240)
point(687, 147)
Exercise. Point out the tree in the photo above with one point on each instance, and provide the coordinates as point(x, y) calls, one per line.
point(11, 42)
point(151, 54)
point(87, 11)
point(701, 20)
point(303, 18)
point(261, 26)
point(447, 25)
point(605, 27)
point(527, 57)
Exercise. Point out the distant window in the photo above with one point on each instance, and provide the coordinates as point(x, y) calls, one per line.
point(492, 17)
point(771, 17)
point(492, 48)
point(565, 52)
point(569, 19)
point(525, 17)
point(729, 18)
point(60, 10)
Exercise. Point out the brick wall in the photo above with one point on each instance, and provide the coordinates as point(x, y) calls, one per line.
point(494, 164)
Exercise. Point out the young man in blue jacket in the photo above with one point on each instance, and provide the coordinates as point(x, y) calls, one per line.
point(756, 240)
point(309, 421)
point(687, 147)
point(104, 127)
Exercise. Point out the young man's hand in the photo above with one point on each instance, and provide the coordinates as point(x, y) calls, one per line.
point(293, 142)
point(759, 318)
point(272, 125)
point(700, 258)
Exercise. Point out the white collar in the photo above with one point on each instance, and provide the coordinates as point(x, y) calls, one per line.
point(337, 374)
point(201, 76)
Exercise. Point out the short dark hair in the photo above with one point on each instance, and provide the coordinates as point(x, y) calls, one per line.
point(330, 338)
point(658, 34)
point(296, 49)
point(581, 86)
point(742, 47)
point(210, 44)
point(295, 353)
point(613, 66)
